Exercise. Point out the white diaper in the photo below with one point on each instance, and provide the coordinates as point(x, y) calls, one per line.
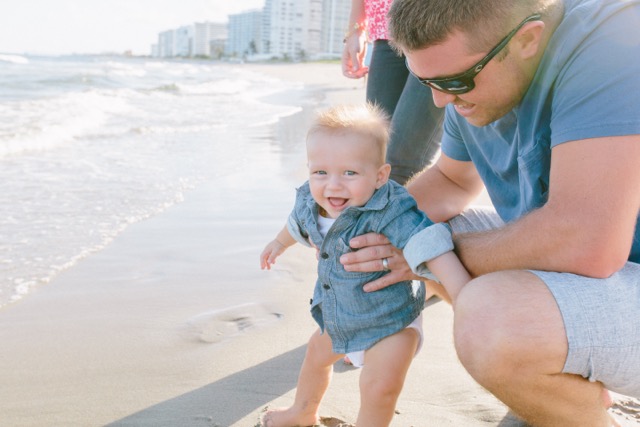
point(357, 357)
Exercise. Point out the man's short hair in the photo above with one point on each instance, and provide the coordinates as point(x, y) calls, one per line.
point(417, 24)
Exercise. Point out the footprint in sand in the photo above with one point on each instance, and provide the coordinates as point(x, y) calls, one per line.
point(217, 325)
point(626, 409)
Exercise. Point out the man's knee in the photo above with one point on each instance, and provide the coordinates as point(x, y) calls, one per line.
point(483, 332)
point(507, 320)
point(473, 326)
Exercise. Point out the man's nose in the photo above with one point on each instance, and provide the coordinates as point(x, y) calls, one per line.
point(441, 99)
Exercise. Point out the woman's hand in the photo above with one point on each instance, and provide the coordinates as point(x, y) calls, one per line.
point(355, 50)
point(373, 249)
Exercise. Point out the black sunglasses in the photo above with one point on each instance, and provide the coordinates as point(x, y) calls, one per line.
point(463, 82)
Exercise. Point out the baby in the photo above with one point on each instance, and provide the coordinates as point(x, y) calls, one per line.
point(348, 194)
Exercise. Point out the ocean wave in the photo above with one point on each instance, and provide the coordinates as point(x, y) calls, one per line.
point(89, 146)
point(170, 87)
point(37, 125)
point(14, 59)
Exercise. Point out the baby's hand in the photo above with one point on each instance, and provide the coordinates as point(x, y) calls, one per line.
point(270, 253)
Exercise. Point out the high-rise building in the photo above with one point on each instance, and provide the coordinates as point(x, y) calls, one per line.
point(288, 29)
point(294, 28)
point(208, 35)
point(183, 41)
point(245, 34)
point(335, 19)
point(166, 44)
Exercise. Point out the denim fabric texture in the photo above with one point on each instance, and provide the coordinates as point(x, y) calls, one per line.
point(416, 123)
point(426, 245)
point(355, 320)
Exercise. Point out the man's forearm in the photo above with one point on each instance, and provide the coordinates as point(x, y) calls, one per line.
point(523, 244)
point(542, 240)
point(440, 197)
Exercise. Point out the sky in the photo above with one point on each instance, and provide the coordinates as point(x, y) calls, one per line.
point(58, 27)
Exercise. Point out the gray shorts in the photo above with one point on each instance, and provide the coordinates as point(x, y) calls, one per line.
point(601, 316)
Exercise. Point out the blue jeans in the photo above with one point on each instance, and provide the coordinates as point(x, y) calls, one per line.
point(416, 123)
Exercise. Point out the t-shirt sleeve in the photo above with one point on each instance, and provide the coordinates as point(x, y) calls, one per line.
point(596, 91)
point(452, 143)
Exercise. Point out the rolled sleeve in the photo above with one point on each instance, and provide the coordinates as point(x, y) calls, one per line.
point(296, 233)
point(426, 245)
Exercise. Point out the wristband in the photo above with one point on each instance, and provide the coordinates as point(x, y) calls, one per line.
point(357, 27)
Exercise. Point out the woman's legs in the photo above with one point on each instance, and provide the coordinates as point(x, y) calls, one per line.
point(416, 123)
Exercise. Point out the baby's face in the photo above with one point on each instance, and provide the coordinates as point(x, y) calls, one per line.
point(344, 170)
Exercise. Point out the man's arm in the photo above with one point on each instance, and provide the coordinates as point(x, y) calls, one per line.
point(442, 191)
point(446, 189)
point(588, 223)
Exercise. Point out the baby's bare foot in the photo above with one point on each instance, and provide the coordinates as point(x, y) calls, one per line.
point(287, 417)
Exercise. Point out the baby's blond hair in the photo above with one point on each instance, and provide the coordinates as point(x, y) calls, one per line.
point(367, 120)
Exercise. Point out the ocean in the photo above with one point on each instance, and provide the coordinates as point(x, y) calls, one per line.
point(90, 145)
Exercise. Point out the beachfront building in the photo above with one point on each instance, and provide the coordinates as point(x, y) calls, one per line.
point(335, 19)
point(294, 28)
point(183, 41)
point(166, 44)
point(245, 34)
point(208, 35)
point(283, 29)
point(202, 39)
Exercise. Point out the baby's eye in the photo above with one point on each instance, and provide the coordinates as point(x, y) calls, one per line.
point(350, 173)
point(319, 173)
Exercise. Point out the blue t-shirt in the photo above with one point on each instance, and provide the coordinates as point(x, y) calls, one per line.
point(587, 86)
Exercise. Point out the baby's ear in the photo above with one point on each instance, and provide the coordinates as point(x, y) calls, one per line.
point(383, 175)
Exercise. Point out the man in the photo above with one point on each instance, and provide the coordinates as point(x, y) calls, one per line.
point(543, 108)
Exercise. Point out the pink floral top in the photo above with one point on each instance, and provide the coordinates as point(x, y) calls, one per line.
point(376, 11)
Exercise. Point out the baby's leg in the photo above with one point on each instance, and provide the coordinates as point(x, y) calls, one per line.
point(313, 382)
point(434, 288)
point(385, 368)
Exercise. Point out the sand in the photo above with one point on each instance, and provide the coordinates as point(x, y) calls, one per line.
point(174, 324)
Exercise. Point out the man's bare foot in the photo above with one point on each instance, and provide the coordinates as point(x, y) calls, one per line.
point(287, 417)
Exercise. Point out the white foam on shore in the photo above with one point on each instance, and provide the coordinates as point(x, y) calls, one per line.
point(88, 147)
point(14, 59)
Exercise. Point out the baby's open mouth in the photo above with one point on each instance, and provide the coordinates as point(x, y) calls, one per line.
point(337, 202)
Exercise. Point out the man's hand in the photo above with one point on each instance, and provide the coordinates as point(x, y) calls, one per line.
point(373, 248)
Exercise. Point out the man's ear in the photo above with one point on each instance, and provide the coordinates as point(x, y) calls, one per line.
point(383, 175)
point(530, 39)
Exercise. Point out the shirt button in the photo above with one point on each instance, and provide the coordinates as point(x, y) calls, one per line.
point(324, 255)
point(311, 301)
point(326, 286)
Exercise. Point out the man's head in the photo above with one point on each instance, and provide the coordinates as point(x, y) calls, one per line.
point(449, 45)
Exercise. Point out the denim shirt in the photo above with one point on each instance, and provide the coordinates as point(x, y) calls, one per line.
point(355, 320)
